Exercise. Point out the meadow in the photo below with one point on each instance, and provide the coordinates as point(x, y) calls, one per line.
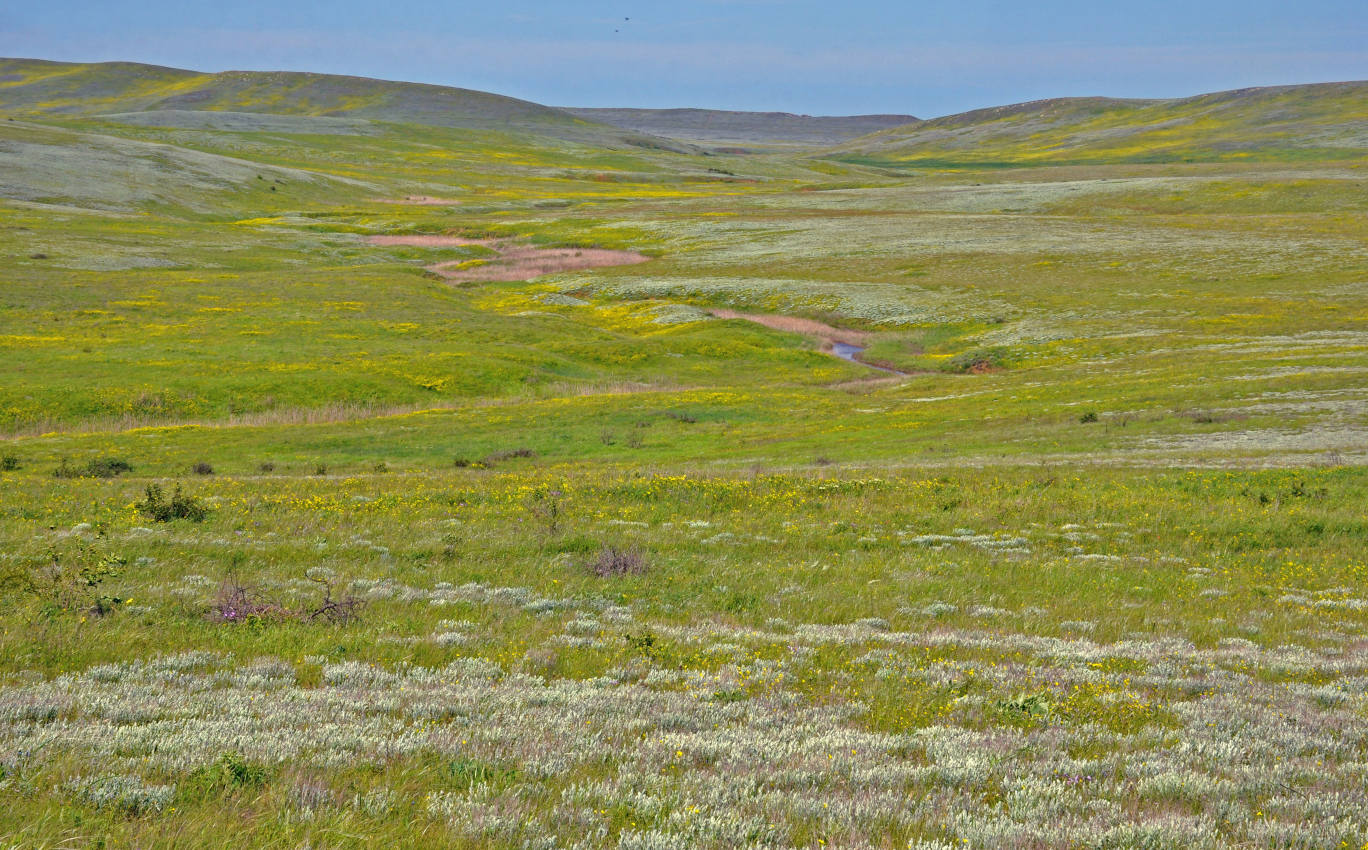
point(306, 546)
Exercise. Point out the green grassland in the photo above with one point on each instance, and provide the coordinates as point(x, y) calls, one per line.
point(1321, 122)
point(305, 546)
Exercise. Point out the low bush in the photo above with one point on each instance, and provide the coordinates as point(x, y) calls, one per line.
point(156, 507)
point(103, 467)
point(507, 454)
point(332, 607)
point(241, 603)
point(71, 582)
point(978, 361)
point(229, 774)
point(612, 561)
point(547, 508)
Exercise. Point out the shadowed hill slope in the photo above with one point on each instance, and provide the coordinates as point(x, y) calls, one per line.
point(98, 171)
point(36, 88)
point(1323, 120)
point(716, 125)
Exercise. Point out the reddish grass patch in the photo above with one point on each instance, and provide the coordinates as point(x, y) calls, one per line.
point(798, 325)
point(514, 261)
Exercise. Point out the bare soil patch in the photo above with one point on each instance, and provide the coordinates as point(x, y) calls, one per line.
point(795, 324)
point(838, 342)
point(421, 201)
point(525, 263)
point(427, 241)
point(514, 261)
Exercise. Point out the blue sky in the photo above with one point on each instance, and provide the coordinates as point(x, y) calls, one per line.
point(856, 56)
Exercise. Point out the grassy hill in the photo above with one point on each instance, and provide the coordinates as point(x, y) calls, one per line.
point(122, 136)
point(1306, 122)
point(723, 126)
point(33, 88)
point(100, 171)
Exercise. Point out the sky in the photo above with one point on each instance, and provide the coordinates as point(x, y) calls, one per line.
point(821, 58)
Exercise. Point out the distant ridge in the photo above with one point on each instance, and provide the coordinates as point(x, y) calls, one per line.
point(1279, 122)
point(35, 87)
point(722, 126)
point(1291, 122)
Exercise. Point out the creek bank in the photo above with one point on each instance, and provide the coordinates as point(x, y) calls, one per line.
point(513, 261)
point(839, 342)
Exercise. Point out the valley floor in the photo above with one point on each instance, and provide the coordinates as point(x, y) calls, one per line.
point(314, 534)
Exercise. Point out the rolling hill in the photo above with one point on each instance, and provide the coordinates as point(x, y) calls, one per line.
point(1324, 120)
point(151, 94)
point(722, 126)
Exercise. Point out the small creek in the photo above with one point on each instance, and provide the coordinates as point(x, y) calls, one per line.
point(822, 332)
point(846, 351)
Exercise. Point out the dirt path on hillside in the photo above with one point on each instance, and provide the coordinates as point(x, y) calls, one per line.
point(515, 261)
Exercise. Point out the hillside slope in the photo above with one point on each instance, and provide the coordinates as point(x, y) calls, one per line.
point(723, 126)
point(98, 171)
point(35, 88)
point(1324, 120)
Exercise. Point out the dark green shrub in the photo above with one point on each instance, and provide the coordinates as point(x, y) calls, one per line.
point(156, 507)
point(202, 468)
point(9, 461)
point(102, 467)
point(1090, 416)
point(229, 774)
point(507, 454)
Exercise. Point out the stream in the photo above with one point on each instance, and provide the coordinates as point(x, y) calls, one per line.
point(846, 351)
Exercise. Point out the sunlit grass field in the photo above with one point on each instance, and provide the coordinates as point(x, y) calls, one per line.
point(304, 546)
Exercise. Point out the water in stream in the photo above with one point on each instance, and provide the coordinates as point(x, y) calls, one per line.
point(846, 351)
